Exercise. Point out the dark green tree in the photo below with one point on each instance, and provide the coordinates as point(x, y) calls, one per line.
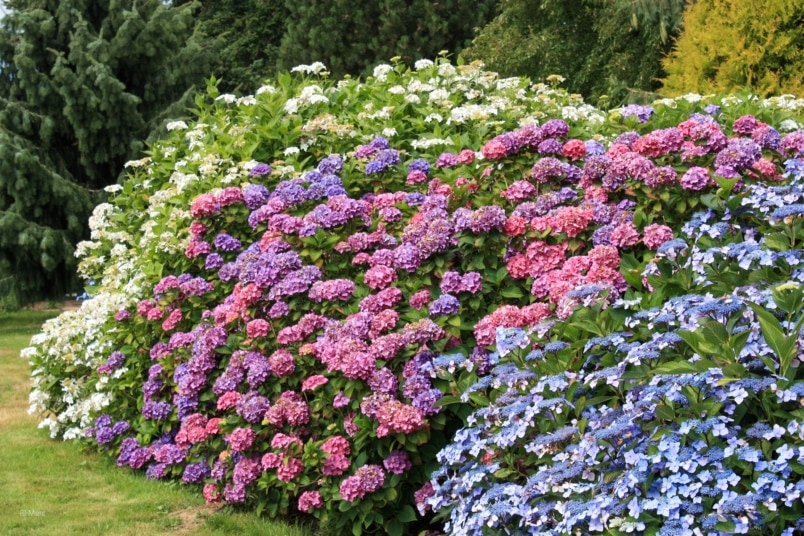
point(602, 47)
point(249, 32)
point(82, 84)
point(350, 37)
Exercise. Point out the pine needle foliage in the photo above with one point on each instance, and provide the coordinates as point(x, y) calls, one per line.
point(82, 84)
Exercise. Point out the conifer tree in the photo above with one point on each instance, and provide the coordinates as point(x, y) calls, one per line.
point(82, 84)
point(349, 37)
point(730, 45)
point(601, 47)
point(250, 32)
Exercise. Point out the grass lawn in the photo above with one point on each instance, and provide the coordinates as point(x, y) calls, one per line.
point(53, 487)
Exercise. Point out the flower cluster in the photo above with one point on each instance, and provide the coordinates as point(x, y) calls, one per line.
point(309, 292)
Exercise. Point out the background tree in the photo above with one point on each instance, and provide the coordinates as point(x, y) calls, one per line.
point(82, 84)
point(728, 45)
point(349, 37)
point(250, 32)
point(601, 47)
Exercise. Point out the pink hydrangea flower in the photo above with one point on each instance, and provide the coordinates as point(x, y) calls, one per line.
point(494, 150)
point(212, 493)
point(416, 177)
point(311, 383)
point(340, 400)
point(271, 460)
point(289, 469)
point(172, 320)
point(655, 235)
point(515, 226)
point(379, 277)
point(574, 149)
point(241, 439)
point(228, 400)
point(257, 328)
point(204, 205)
point(282, 363)
point(310, 500)
point(572, 220)
point(420, 299)
point(366, 479)
point(335, 465)
point(624, 235)
point(336, 445)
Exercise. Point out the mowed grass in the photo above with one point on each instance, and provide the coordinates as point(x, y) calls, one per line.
point(55, 487)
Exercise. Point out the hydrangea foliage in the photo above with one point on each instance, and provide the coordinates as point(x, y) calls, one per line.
point(320, 297)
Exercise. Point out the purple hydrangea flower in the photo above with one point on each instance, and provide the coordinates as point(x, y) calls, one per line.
point(419, 165)
point(550, 146)
point(156, 411)
point(446, 160)
point(555, 128)
point(446, 304)
point(195, 473)
point(156, 471)
point(255, 195)
point(260, 169)
point(642, 113)
point(397, 462)
point(213, 261)
point(331, 165)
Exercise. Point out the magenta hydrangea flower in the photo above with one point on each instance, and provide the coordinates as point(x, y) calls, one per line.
point(367, 479)
point(310, 500)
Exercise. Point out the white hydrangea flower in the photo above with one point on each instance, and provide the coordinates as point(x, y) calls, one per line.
point(292, 106)
point(438, 95)
point(142, 162)
point(176, 125)
point(290, 151)
point(381, 72)
point(228, 98)
point(389, 132)
point(446, 70)
point(423, 64)
point(426, 143)
point(266, 89)
point(396, 90)
point(314, 68)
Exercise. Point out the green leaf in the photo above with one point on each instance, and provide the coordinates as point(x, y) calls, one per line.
point(406, 514)
point(777, 241)
point(665, 412)
point(775, 336)
point(512, 292)
point(683, 367)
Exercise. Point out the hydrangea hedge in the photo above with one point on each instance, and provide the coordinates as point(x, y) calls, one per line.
point(440, 299)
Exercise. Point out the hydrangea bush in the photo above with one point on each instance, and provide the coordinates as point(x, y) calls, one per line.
point(318, 297)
